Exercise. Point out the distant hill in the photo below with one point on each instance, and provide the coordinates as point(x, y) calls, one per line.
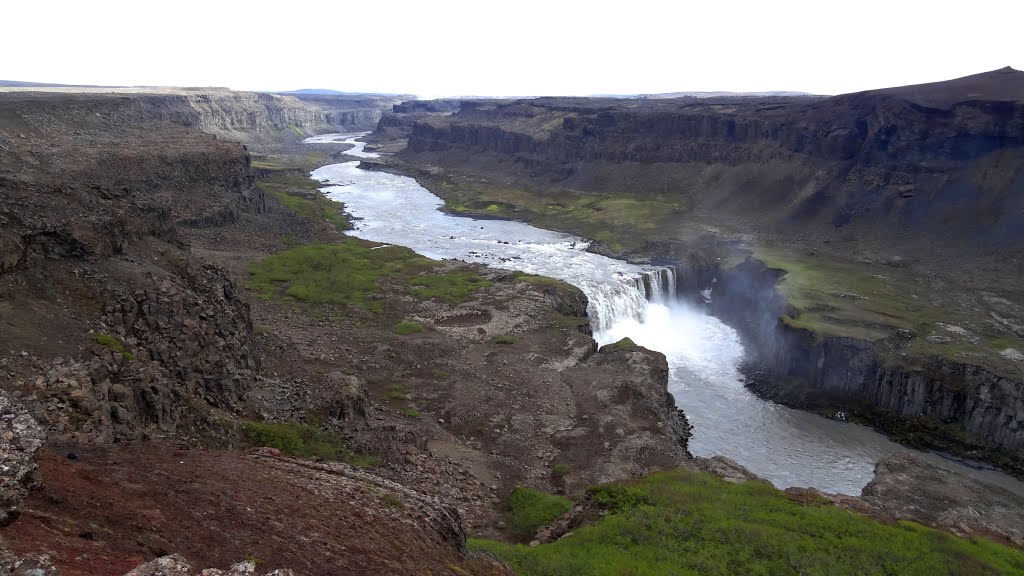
point(327, 92)
point(708, 94)
point(1004, 84)
point(319, 91)
point(20, 84)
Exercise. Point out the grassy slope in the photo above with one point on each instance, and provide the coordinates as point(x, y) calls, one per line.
point(299, 193)
point(622, 222)
point(869, 301)
point(350, 273)
point(683, 522)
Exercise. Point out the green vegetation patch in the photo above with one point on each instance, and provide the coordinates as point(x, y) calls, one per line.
point(691, 523)
point(620, 220)
point(560, 470)
point(527, 510)
point(870, 301)
point(504, 339)
point(397, 392)
point(450, 287)
point(406, 327)
point(410, 412)
point(112, 343)
point(297, 192)
point(350, 273)
point(303, 441)
point(624, 343)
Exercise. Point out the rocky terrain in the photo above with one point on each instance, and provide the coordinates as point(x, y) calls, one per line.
point(883, 231)
point(154, 349)
point(128, 318)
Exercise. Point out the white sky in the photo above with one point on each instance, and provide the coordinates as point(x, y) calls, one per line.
point(518, 47)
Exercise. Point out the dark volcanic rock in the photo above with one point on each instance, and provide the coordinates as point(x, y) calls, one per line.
point(188, 342)
point(909, 488)
point(175, 565)
point(20, 439)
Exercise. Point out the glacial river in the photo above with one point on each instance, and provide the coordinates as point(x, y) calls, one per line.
point(787, 447)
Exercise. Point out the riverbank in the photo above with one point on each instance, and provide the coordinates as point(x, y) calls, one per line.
point(352, 185)
point(928, 321)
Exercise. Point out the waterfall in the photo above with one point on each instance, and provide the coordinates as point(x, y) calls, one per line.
point(610, 303)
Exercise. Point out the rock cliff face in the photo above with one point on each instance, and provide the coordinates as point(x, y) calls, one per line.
point(250, 117)
point(908, 488)
point(187, 343)
point(889, 162)
point(170, 339)
point(941, 404)
point(921, 170)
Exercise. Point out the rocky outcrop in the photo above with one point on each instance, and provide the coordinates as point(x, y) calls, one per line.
point(216, 507)
point(171, 340)
point(166, 349)
point(908, 488)
point(32, 565)
point(941, 404)
point(623, 405)
point(176, 565)
point(725, 468)
point(72, 189)
point(20, 441)
point(20, 438)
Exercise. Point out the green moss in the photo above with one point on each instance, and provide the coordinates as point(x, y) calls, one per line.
point(299, 193)
point(543, 281)
point(527, 510)
point(451, 287)
point(113, 344)
point(560, 470)
point(838, 297)
point(350, 273)
point(303, 441)
point(503, 339)
point(287, 179)
point(624, 343)
point(683, 522)
point(439, 374)
point(618, 219)
point(392, 501)
point(397, 392)
point(410, 412)
point(407, 327)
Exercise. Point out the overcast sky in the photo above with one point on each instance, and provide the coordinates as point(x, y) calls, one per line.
point(517, 47)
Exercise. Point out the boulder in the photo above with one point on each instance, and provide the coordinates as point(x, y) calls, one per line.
point(20, 440)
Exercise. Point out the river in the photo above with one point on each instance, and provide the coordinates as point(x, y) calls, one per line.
point(785, 446)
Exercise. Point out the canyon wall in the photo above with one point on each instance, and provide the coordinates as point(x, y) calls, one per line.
point(886, 164)
point(118, 333)
point(938, 403)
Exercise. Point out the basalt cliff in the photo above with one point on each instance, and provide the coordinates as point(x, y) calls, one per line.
point(869, 246)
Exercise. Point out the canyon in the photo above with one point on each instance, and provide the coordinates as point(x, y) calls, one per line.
point(153, 247)
point(867, 246)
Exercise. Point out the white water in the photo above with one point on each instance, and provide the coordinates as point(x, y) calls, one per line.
point(787, 447)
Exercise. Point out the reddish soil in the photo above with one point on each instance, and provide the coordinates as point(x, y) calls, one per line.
point(115, 506)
